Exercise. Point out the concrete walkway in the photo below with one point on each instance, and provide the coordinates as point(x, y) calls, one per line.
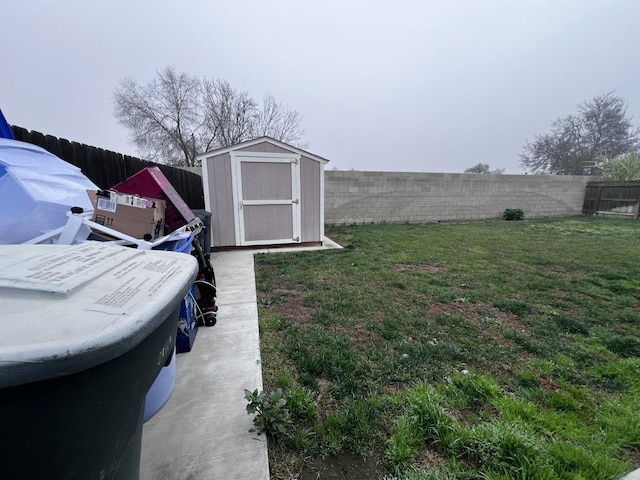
point(202, 433)
point(635, 475)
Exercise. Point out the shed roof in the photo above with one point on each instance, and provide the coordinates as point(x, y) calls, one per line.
point(257, 141)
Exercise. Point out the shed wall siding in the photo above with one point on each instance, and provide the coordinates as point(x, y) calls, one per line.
point(264, 147)
point(222, 218)
point(310, 172)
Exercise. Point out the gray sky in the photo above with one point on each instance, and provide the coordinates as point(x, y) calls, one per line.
point(432, 86)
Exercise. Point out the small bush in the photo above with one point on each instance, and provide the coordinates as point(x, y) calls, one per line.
point(513, 214)
point(271, 414)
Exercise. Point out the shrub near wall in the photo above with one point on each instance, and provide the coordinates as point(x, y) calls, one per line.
point(375, 197)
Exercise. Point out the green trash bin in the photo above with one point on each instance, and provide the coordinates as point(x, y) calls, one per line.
point(86, 329)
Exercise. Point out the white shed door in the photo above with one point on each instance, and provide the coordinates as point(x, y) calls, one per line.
point(267, 198)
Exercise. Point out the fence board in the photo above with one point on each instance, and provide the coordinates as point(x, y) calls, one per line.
point(612, 198)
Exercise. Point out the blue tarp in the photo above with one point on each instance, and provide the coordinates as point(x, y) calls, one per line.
point(5, 129)
point(37, 189)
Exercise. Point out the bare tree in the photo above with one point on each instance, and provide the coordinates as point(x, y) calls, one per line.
point(577, 143)
point(230, 115)
point(164, 117)
point(280, 122)
point(175, 117)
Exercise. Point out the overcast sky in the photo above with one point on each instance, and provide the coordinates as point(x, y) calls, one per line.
point(431, 85)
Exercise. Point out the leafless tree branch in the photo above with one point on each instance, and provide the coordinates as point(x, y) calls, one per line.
point(175, 117)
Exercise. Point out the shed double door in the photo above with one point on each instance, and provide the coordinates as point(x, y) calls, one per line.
point(267, 198)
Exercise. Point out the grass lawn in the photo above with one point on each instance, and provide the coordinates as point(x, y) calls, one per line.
point(489, 350)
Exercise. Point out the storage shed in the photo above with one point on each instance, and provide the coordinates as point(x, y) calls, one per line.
point(264, 192)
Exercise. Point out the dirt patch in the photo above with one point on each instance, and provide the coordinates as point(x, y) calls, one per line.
point(286, 302)
point(409, 267)
point(394, 388)
point(469, 311)
point(430, 458)
point(359, 334)
point(269, 268)
point(344, 467)
point(549, 384)
point(326, 403)
point(512, 321)
point(279, 287)
point(291, 307)
point(566, 275)
point(633, 454)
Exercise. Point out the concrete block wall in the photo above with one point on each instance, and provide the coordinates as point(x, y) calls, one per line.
point(366, 197)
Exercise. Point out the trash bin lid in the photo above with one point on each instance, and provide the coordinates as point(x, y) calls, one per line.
point(67, 308)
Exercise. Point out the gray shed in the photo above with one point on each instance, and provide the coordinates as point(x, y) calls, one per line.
point(264, 192)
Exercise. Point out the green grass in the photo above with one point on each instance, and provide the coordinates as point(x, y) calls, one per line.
point(487, 350)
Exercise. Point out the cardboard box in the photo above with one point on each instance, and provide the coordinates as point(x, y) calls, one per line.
point(151, 182)
point(130, 214)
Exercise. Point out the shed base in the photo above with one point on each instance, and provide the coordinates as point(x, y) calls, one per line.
point(266, 245)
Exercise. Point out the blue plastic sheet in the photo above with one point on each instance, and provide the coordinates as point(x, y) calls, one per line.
point(37, 189)
point(5, 129)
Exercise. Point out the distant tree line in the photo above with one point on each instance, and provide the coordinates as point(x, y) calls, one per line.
point(484, 168)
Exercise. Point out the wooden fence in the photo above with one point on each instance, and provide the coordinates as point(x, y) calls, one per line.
point(612, 198)
point(106, 168)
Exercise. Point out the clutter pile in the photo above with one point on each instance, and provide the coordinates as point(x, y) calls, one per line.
point(49, 201)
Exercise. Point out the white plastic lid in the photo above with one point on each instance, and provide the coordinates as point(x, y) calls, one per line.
point(67, 308)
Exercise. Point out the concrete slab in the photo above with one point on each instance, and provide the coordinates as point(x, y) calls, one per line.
point(635, 475)
point(327, 244)
point(202, 433)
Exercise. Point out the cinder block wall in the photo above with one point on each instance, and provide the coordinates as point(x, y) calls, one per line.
point(366, 197)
